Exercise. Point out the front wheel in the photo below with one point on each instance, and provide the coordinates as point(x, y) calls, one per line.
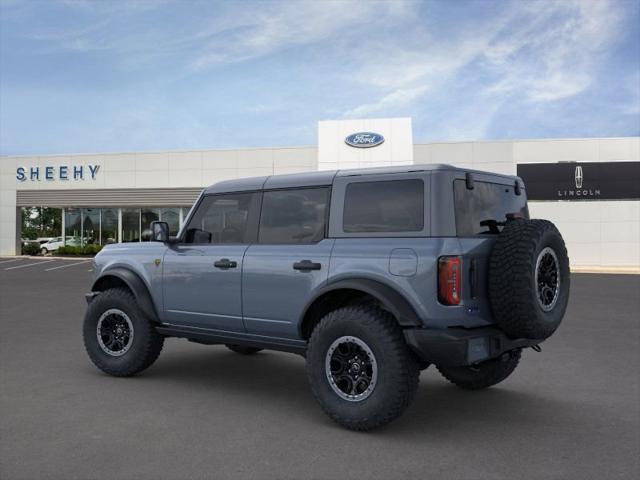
point(361, 371)
point(118, 337)
point(483, 375)
point(44, 251)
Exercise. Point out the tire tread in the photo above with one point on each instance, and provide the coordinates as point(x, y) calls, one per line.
point(386, 331)
point(146, 353)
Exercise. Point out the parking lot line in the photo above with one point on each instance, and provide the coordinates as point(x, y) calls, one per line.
point(30, 264)
point(9, 261)
point(65, 266)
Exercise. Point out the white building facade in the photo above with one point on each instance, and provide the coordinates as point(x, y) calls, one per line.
point(588, 187)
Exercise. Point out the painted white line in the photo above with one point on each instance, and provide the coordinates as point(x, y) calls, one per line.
point(30, 264)
point(65, 266)
point(9, 261)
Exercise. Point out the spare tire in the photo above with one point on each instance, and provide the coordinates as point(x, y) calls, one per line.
point(529, 279)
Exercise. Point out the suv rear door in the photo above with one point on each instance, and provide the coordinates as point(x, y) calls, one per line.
point(290, 259)
point(202, 273)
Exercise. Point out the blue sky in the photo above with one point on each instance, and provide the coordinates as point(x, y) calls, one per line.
point(84, 76)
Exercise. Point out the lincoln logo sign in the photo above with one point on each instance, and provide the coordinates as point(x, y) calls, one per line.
point(62, 172)
point(581, 181)
point(364, 139)
point(579, 177)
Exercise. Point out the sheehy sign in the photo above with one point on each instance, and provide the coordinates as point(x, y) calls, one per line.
point(61, 172)
point(581, 180)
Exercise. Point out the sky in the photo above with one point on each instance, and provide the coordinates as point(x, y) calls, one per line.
point(112, 76)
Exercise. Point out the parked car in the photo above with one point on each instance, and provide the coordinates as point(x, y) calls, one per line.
point(55, 243)
point(371, 274)
point(51, 245)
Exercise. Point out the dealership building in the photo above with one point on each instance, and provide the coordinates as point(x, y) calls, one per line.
point(589, 187)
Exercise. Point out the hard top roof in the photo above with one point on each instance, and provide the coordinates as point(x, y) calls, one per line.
point(311, 179)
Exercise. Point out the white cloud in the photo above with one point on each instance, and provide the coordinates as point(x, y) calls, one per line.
point(551, 55)
point(631, 105)
point(536, 51)
point(276, 26)
point(397, 98)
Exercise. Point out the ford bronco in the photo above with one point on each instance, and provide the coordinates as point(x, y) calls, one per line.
point(371, 275)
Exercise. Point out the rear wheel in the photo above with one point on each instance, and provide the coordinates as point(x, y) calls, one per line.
point(242, 349)
point(118, 337)
point(483, 375)
point(361, 371)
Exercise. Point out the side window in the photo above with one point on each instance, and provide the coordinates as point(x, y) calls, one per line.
point(293, 216)
point(228, 218)
point(384, 206)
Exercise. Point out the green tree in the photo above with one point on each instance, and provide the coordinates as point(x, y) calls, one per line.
point(41, 222)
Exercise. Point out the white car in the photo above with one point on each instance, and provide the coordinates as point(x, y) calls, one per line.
point(52, 245)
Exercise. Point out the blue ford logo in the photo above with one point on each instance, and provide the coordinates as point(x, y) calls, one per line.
point(364, 139)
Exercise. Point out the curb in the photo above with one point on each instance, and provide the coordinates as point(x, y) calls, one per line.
point(607, 270)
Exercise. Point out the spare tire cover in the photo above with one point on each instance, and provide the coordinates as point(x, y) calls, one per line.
point(529, 279)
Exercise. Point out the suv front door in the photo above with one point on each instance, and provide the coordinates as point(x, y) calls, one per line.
point(202, 273)
point(290, 260)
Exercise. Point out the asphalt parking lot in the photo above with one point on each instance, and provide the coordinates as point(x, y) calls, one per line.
point(572, 411)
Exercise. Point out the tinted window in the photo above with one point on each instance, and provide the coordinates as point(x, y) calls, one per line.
point(223, 219)
point(487, 201)
point(389, 206)
point(293, 216)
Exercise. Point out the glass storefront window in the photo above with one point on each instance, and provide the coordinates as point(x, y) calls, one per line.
point(40, 222)
point(109, 226)
point(172, 217)
point(148, 215)
point(72, 226)
point(86, 226)
point(130, 224)
point(90, 226)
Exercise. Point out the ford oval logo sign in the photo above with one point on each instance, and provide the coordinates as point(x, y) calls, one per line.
point(364, 139)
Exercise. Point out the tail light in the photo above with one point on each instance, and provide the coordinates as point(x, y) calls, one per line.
point(449, 280)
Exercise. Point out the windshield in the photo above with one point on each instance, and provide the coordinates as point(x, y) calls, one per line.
point(478, 210)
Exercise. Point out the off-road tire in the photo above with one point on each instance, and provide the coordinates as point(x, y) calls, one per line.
point(397, 367)
point(243, 350)
point(484, 374)
point(513, 291)
point(145, 346)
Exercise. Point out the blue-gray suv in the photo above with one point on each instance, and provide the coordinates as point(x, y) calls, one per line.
point(371, 274)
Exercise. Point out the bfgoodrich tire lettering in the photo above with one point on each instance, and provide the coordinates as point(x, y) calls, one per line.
point(397, 371)
point(529, 279)
point(145, 345)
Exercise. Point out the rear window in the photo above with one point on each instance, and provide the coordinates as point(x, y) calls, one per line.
point(487, 201)
point(384, 206)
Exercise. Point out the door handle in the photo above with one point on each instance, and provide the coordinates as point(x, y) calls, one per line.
point(306, 265)
point(225, 263)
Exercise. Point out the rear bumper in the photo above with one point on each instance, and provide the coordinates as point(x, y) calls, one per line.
point(460, 346)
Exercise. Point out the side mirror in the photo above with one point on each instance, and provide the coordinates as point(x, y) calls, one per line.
point(160, 232)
